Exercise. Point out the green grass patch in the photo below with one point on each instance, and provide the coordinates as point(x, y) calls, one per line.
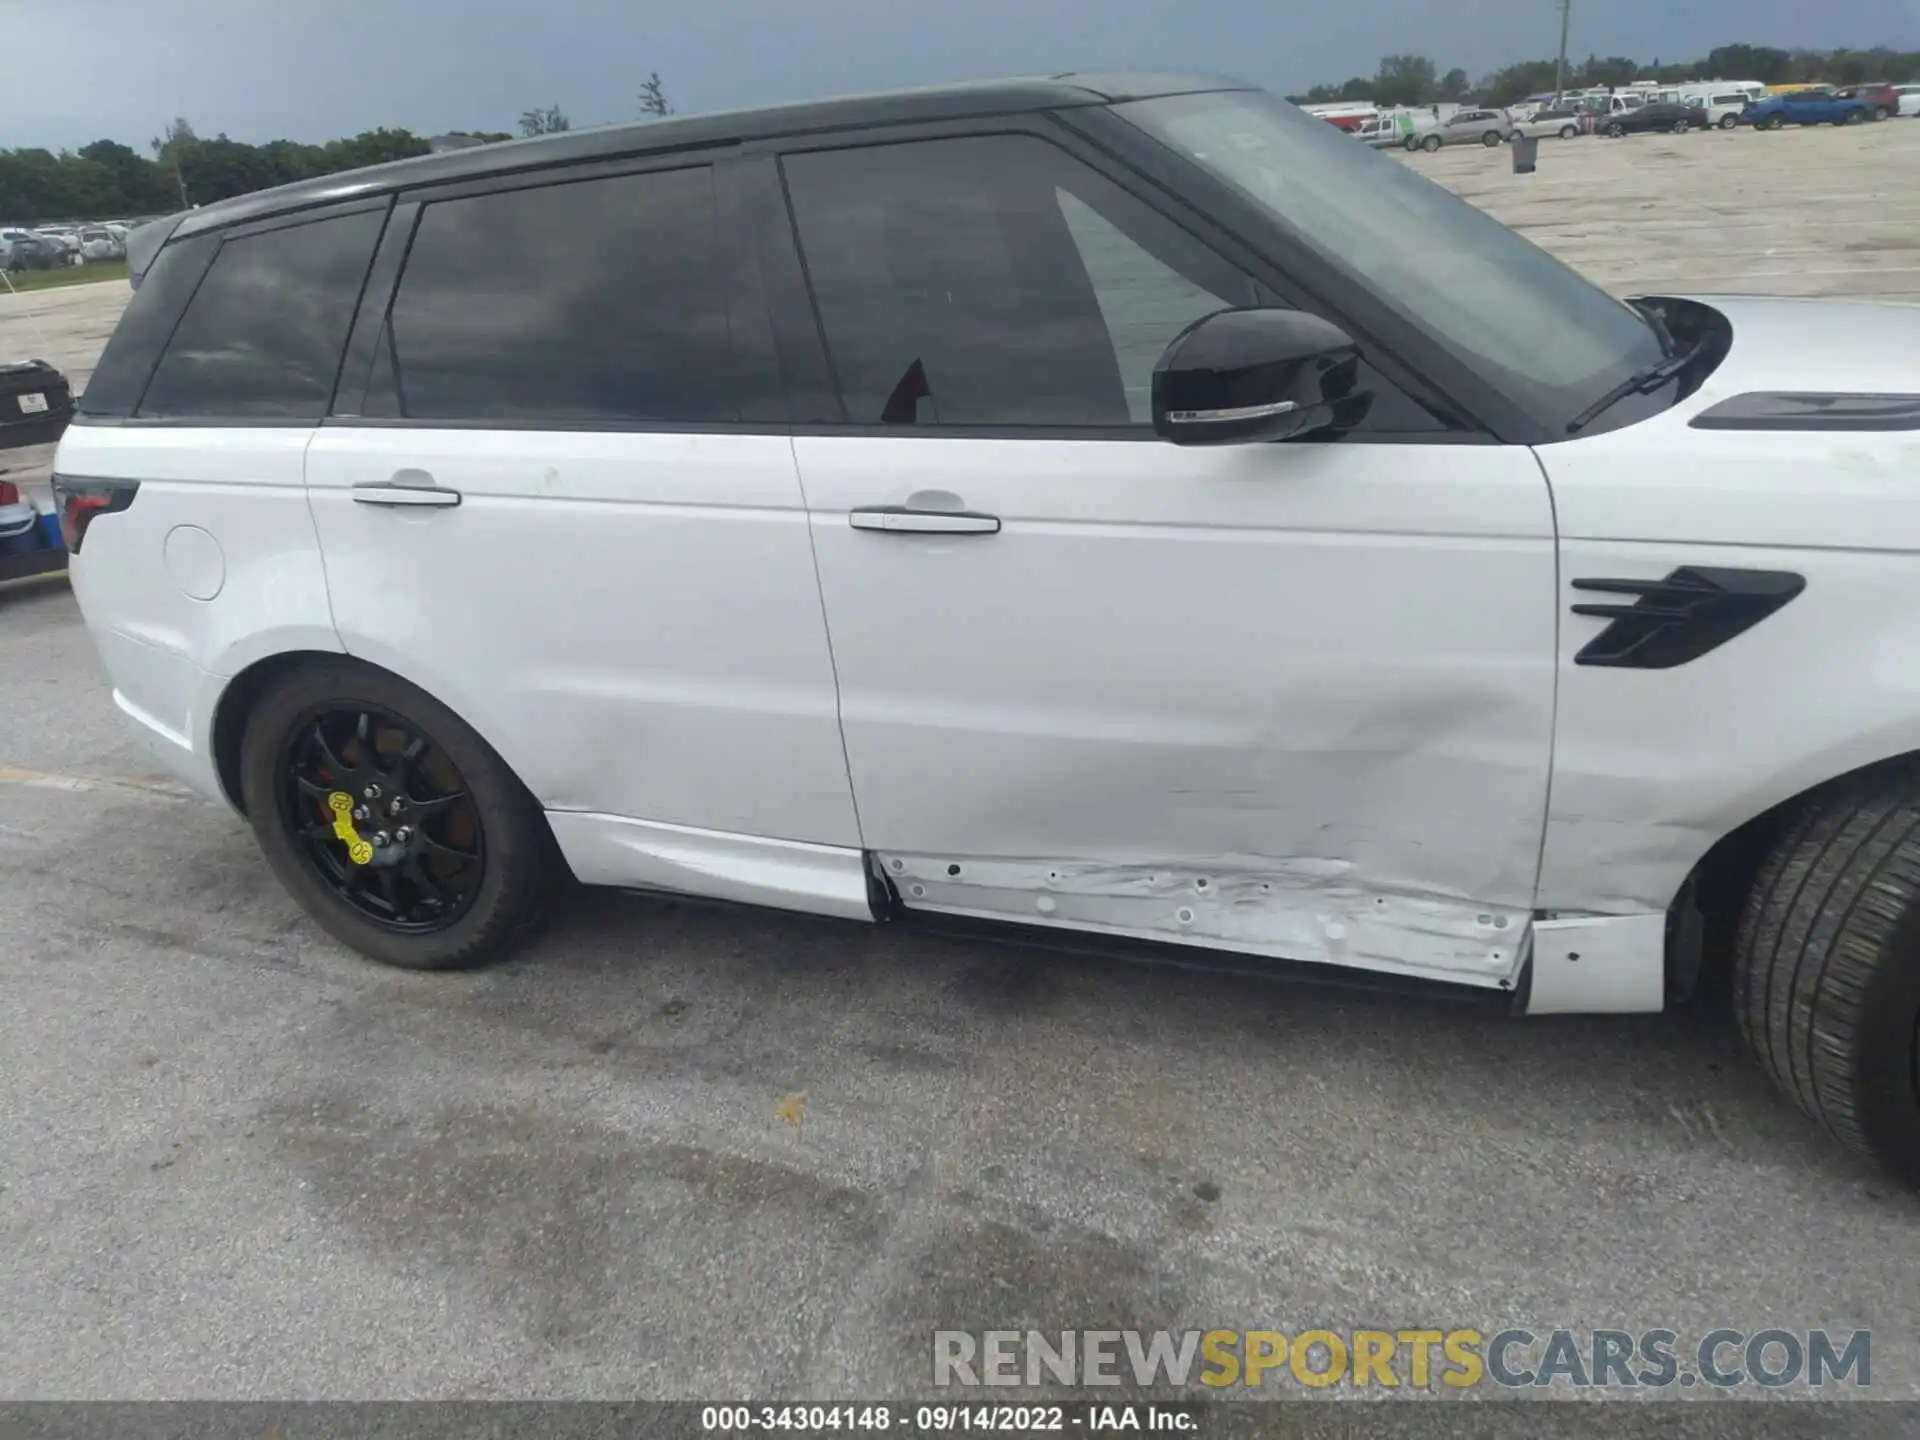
point(67, 275)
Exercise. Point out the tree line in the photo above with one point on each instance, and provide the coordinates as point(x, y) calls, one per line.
point(1416, 80)
point(109, 180)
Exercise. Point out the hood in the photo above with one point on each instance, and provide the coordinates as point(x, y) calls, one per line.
point(1665, 479)
point(1865, 346)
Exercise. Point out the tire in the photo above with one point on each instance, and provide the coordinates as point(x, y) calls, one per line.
point(1776, 122)
point(1853, 117)
point(1430, 144)
point(1826, 983)
point(500, 825)
point(1681, 127)
point(1490, 139)
point(1567, 132)
point(1728, 122)
point(1616, 130)
point(1879, 112)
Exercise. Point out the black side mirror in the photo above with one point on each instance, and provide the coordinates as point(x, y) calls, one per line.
point(1244, 375)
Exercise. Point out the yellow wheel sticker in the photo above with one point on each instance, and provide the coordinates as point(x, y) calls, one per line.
point(358, 850)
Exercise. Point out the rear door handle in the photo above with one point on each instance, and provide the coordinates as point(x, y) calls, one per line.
point(400, 492)
point(905, 520)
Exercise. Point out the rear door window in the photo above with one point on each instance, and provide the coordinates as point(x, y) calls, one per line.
point(263, 335)
point(593, 302)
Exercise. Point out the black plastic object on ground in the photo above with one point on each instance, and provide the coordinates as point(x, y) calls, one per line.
point(1526, 154)
point(35, 403)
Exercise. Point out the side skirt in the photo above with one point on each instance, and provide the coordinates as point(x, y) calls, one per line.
point(1281, 911)
point(1283, 922)
point(646, 855)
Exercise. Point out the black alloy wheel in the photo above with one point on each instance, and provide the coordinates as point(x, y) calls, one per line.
point(395, 825)
point(384, 819)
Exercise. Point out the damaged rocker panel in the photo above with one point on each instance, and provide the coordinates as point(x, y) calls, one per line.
point(1296, 910)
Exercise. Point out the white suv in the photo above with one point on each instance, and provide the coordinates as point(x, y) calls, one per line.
point(1107, 504)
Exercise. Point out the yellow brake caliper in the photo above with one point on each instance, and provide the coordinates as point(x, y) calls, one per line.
point(358, 850)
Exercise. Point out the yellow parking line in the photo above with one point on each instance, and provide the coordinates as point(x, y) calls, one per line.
point(43, 780)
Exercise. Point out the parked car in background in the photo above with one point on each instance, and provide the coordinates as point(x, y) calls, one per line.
point(1666, 119)
point(1909, 96)
point(1805, 107)
point(1723, 100)
point(24, 250)
point(1723, 107)
point(97, 243)
point(1484, 127)
point(68, 242)
point(1381, 132)
point(1542, 123)
point(1882, 98)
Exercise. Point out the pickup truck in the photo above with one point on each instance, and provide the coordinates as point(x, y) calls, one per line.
point(1806, 107)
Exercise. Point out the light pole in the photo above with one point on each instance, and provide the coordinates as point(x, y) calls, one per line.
point(1560, 68)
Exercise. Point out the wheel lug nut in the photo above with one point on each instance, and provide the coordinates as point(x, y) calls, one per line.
point(380, 840)
point(360, 812)
point(372, 792)
point(402, 835)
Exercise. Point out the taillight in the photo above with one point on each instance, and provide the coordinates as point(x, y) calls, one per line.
point(79, 501)
point(9, 493)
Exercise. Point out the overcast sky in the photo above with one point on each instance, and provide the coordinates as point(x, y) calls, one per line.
point(315, 69)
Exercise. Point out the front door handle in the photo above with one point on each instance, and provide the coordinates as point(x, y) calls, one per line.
point(405, 492)
point(905, 520)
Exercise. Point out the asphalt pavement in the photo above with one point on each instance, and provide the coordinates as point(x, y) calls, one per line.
point(679, 1151)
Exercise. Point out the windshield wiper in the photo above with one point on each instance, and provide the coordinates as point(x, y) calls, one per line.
point(1641, 382)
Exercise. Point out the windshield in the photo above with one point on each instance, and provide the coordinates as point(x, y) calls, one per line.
point(1510, 312)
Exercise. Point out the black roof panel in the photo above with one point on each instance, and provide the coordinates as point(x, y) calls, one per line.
point(938, 102)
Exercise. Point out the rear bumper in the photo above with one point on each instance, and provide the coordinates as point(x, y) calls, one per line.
point(170, 702)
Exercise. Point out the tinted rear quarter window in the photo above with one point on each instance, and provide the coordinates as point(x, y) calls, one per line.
point(589, 301)
point(148, 320)
point(263, 335)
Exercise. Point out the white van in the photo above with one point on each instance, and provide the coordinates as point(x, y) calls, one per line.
point(1723, 100)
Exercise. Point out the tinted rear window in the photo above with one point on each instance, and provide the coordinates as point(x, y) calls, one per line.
point(262, 337)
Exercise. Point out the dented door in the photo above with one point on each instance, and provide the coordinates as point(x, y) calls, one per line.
point(1294, 699)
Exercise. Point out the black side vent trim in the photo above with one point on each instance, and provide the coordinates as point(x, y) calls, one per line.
point(1811, 411)
point(1680, 618)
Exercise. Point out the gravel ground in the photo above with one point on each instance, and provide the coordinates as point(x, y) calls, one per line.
point(237, 1161)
